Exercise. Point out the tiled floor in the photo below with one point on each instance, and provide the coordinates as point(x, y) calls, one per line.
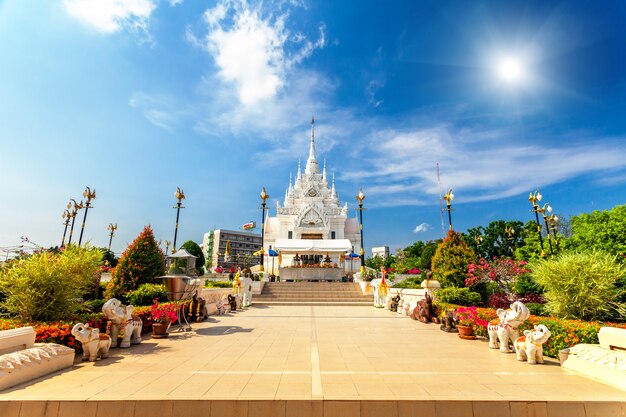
point(332, 357)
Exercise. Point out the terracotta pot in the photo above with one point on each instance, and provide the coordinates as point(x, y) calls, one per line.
point(159, 330)
point(466, 332)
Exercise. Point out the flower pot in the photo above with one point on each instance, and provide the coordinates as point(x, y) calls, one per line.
point(466, 332)
point(159, 330)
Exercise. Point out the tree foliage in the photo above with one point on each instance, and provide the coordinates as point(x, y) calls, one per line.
point(427, 254)
point(493, 241)
point(194, 249)
point(451, 260)
point(582, 285)
point(603, 230)
point(48, 286)
point(142, 262)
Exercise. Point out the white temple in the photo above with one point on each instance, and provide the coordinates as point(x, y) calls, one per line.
point(311, 224)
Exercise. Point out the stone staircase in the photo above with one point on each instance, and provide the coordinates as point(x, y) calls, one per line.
point(313, 293)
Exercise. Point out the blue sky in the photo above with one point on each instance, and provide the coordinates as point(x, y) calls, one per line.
point(137, 97)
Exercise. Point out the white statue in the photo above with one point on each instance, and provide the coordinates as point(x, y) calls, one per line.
point(246, 286)
point(380, 292)
point(508, 327)
point(118, 314)
point(530, 346)
point(95, 344)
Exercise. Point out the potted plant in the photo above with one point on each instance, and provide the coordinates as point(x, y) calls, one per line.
point(467, 318)
point(162, 316)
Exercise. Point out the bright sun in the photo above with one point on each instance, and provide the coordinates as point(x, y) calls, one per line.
point(510, 70)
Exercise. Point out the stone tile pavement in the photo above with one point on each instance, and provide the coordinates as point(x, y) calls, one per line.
point(313, 360)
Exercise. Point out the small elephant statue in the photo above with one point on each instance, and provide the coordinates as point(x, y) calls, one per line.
point(530, 346)
point(95, 344)
point(449, 323)
point(508, 327)
point(232, 300)
point(424, 310)
point(394, 303)
point(120, 314)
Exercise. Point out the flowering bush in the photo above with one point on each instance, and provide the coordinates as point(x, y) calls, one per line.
point(565, 333)
point(414, 271)
point(218, 270)
point(502, 271)
point(162, 313)
point(468, 316)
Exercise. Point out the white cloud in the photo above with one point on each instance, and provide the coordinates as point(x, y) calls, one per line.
point(421, 228)
point(254, 52)
point(110, 16)
point(402, 163)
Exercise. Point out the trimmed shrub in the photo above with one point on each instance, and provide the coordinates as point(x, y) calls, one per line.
point(413, 282)
point(218, 284)
point(451, 261)
point(142, 262)
point(582, 285)
point(49, 286)
point(146, 294)
point(460, 296)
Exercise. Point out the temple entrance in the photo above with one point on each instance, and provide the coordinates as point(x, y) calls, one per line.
point(312, 236)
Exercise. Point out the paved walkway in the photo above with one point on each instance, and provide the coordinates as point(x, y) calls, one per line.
point(320, 353)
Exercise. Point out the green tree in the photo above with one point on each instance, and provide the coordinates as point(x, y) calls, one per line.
point(415, 250)
point(493, 241)
point(427, 254)
point(194, 249)
point(603, 230)
point(108, 258)
point(531, 249)
point(449, 265)
point(375, 262)
point(48, 286)
point(142, 262)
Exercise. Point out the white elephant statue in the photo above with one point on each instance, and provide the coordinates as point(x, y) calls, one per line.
point(530, 346)
point(95, 344)
point(380, 293)
point(508, 327)
point(246, 289)
point(120, 314)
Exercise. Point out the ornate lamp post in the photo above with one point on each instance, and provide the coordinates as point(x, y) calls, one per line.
point(66, 216)
point(111, 228)
point(77, 206)
point(449, 197)
point(89, 195)
point(553, 220)
point(543, 210)
point(264, 196)
point(510, 234)
point(167, 246)
point(360, 197)
point(534, 198)
point(180, 195)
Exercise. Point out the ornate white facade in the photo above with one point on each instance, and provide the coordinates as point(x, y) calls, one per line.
point(312, 210)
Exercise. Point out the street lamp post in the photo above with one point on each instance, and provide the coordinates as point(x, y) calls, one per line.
point(264, 196)
point(167, 246)
point(180, 195)
point(360, 197)
point(66, 215)
point(553, 221)
point(449, 197)
point(77, 206)
point(545, 220)
point(533, 198)
point(89, 195)
point(510, 234)
point(112, 228)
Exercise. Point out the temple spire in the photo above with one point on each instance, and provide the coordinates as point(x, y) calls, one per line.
point(333, 192)
point(324, 171)
point(299, 175)
point(311, 163)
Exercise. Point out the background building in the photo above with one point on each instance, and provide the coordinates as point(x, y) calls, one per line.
point(382, 251)
point(242, 247)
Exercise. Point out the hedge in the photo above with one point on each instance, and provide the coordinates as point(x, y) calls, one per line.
point(565, 333)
